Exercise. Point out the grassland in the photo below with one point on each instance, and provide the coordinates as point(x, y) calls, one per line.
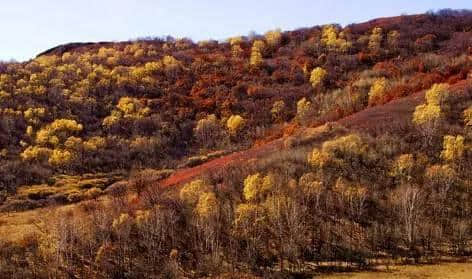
point(439, 271)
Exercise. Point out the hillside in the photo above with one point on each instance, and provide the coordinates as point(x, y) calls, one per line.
point(381, 119)
point(271, 154)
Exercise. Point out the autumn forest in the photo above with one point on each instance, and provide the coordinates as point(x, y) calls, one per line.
point(280, 155)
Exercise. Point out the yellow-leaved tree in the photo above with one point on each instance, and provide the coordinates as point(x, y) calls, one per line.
point(377, 91)
point(403, 167)
point(453, 148)
point(60, 157)
point(427, 116)
point(256, 53)
point(344, 154)
point(235, 43)
point(256, 186)
point(235, 124)
point(207, 206)
point(278, 110)
point(333, 41)
point(127, 107)
point(273, 38)
point(207, 130)
point(304, 111)
point(393, 38)
point(468, 116)
point(317, 77)
point(375, 39)
point(190, 193)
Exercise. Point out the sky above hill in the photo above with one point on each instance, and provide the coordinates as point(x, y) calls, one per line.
point(32, 26)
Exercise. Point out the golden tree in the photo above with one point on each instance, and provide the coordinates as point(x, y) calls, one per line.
point(453, 148)
point(257, 186)
point(403, 167)
point(190, 193)
point(278, 110)
point(330, 39)
point(35, 153)
point(256, 54)
point(56, 131)
point(377, 90)
point(60, 157)
point(329, 36)
point(207, 130)
point(207, 206)
point(317, 77)
point(437, 94)
point(375, 39)
point(235, 124)
point(393, 38)
point(304, 110)
point(468, 116)
point(236, 51)
point(273, 38)
point(427, 116)
point(341, 153)
point(235, 40)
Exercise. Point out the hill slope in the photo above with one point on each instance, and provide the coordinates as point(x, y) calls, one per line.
point(343, 145)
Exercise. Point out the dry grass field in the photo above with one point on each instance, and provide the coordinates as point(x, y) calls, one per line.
point(439, 271)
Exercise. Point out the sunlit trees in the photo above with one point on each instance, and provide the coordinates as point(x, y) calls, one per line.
point(428, 115)
point(403, 168)
point(377, 91)
point(273, 38)
point(453, 148)
point(207, 206)
point(55, 143)
point(409, 201)
point(468, 116)
point(60, 157)
point(36, 153)
point(312, 188)
point(305, 111)
point(332, 41)
point(34, 115)
point(208, 130)
point(235, 44)
point(59, 129)
point(257, 186)
point(278, 110)
point(256, 53)
point(393, 38)
point(375, 39)
point(127, 107)
point(317, 77)
point(345, 154)
point(441, 177)
point(190, 192)
point(235, 124)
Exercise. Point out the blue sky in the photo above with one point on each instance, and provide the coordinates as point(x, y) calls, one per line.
point(31, 26)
